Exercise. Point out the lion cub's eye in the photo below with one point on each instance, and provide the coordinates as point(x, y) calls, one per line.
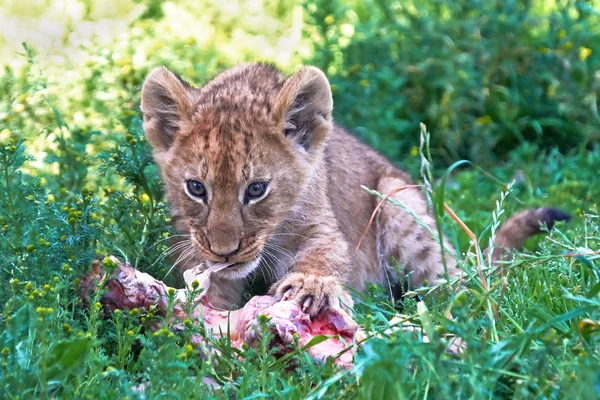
point(196, 189)
point(255, 190)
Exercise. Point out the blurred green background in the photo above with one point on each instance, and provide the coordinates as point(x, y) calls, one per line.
point(485, 76)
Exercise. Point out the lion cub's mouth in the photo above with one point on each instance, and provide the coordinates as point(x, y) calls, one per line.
point(233, 270)
point(214, 266)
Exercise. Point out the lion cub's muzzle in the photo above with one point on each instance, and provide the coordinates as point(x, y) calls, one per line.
point(242, 262)
point(223, 251)
point(227, 251)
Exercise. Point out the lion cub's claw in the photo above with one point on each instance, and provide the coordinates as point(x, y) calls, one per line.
point(312, 293)
point(286, 296)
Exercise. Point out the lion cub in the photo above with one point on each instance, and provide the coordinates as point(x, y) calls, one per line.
point(259, 178)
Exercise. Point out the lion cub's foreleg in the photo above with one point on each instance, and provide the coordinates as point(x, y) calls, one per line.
point(322, 264)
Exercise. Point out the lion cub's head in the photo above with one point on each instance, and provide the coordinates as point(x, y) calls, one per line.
point(237, 154)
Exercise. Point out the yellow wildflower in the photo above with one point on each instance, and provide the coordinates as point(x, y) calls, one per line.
point(486, 119)
point(584, 53)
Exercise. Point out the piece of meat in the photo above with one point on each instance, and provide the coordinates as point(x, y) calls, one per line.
point(128, 288)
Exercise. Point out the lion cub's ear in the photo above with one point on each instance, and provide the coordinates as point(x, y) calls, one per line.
point(303, 107)
point(167, 104)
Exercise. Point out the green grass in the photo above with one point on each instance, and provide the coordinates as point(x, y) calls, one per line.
point(78, 182)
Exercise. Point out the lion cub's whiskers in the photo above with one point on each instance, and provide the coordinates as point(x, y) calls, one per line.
point(185, 255)
point(172, 249)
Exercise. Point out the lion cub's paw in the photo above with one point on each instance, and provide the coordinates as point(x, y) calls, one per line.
point(312, 293)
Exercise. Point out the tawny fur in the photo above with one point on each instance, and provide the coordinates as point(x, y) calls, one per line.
point(252, 123)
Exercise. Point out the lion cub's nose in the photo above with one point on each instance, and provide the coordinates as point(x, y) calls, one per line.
point(225, 251)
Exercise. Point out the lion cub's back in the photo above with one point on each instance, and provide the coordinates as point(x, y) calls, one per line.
point(352, 164)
